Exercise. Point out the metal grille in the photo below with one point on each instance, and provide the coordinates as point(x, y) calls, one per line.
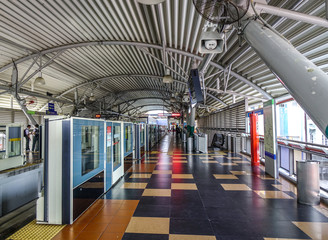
point(232, 118)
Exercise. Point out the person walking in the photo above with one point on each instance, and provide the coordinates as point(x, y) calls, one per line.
point(36, 134)
point(27, 137)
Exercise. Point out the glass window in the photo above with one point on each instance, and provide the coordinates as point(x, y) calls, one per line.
point(90, 148)
point(128, 138)
point(14, 146)
point(109, 143)
point(314, 135)
point(142, 134)
point(290, 121)
point(2, 140)
point(116, 145)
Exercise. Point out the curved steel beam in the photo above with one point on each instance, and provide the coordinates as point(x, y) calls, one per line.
point(122, 93)
point(141, 98)
point(136, 44)
point(146, 105)
point(104, 79)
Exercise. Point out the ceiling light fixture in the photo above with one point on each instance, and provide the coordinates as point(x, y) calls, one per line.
point(167, 78)
point(39, 80)
point(150, 2)
point(92, 97)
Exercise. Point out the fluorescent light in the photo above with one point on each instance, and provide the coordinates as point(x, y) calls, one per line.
point(150, 2)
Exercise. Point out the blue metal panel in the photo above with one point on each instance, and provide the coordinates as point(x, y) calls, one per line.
point(109, 156)
point(66, 170)
point(78, 178)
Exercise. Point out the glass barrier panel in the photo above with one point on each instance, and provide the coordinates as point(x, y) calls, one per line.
point(90, 148)
point(290, 121)
point(323, 172)
point(14, 146)
point(142, 135)
point(117, 145)
point(284, 158)
point(298, 156)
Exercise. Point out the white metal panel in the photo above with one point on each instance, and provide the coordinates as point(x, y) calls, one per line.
point(55, 173)
point(5, 116)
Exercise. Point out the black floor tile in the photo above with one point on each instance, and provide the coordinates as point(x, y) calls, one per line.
point(227, 214)
point(163, 167)
point(155, 200)
point(180, 180)
point(137, 236)
point(127, 194)
point(236, 237)
point(190, 227)
point(234, 228)
point(146, 210)
point(188, 212)
point(159, 185)
point(139, 180)
point(277, 229)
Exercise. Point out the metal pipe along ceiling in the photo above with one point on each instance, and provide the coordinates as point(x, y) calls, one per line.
point(291, 15)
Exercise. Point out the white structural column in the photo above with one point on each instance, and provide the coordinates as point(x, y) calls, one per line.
point(270, 138)
point(306, 82)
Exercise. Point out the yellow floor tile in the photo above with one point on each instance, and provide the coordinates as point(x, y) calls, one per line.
point(178, 158)
point(149, 225)
point(282, 239)
point(235, 187)
point(150, 161)
point(37, 231)
point(229, 164)
point(190, 237)
point(225, 176)
point(182, 176)
point(316, 230)
point(157, 192)
point(265, 177)
point(242, 161)
point(134, 185)
point(205, 158)
point(162, 172)
point(180, 161)
point(290, 187)
point(210, 161)
point(183, 186)
point(233, 157)
point(136, 175)
point(273, 194)
point(240, 173)
point(322, 208)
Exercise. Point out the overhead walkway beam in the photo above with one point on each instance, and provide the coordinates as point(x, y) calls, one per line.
point(306, 82)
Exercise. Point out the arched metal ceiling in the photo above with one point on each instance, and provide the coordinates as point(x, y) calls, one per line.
point(114, 49)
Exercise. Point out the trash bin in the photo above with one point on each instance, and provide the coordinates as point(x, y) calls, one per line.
point(184, 137)
point(196, 142)
point(190, 144)
point(308, 182)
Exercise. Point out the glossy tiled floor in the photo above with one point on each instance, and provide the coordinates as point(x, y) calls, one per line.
point(176, 196)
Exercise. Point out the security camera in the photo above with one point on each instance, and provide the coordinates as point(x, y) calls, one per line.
point(211, 42)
